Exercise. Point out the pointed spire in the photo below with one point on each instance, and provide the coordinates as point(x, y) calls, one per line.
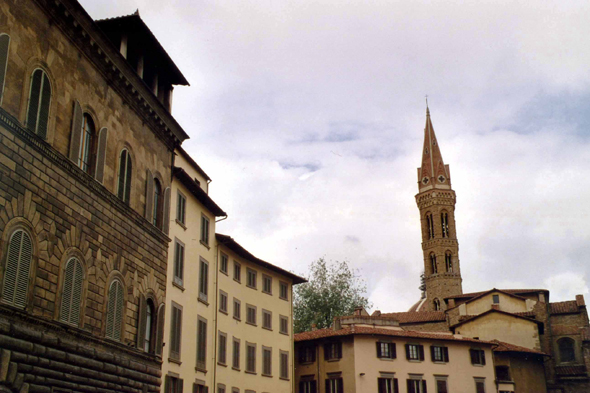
point(433, 172)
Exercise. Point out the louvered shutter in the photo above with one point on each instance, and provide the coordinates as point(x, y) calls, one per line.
point(340, 385)
point(410, 386)
point(101, 151)
point(141, 322)
point(339, 347)
point(408, 352)
point(395, 386)
point(381, 385)
point(301, 387)
point(166, 215)
point(378, 349)
point(446, 354)
point(160, 331)
point(119, 311)
point(18, 267)
point(328, 386)
point(4, 46)
point(393, 351)
point(128, 173)
point(483, 358)
point(149, 196)
point(34, 97)
point(76, 133)
point(67, 290)
point(44, 108)
point(432, 357)
point(77, 293)
point(115, 311)
point(314, 387)
point(180, 385)
point(326, 351)
point(424, 386)
point(472, 355)
point(110, 324)
point(421, 351)
point(121, 177)
point(167, 384)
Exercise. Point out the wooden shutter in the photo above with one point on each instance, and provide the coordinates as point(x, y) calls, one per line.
point(34, 97)
point(115, 311)
point(110, 311)
point(119, 311)
point(18, 266)
point(141, 322)
point(180, 385)
point(166, 384)
point(101, 151)
point(328, 386)
point(339, 350)
point(483, 357)
point(408, 352)
point(121, 176)
point(393, 351)
point(76, 133)
point(44, 108)
point(378, 349)
point(395, 386)
point(381, 385)
point(432, 357)
point(301, 387)
point(445, 354)
point(410, 385)
point(128, 179)
point(149, 196)
point(160, 332)
point(421, 351)
point(472, 354)
point(166, 215)
point(77, 293)
point(67, 289)
point(314, 387)
point(4, 46)
point(424, 386)
point(340, 384)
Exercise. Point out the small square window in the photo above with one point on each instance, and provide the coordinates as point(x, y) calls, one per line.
point(386, 350)
point(284, 290)
point(480, 385)
point(306, 354)
point(284, 324)
point(439, 354)
point(223, 264)
point(496, 299)
point(237, 272)
point(250, 314)
point(333, 350)
point(181, 208)
point(222, 301)
point(251, 278)
point(267, 284)
point(478, 357)
point(205, 230)
point(266, 319)
point(415, 352)
point(441, 384)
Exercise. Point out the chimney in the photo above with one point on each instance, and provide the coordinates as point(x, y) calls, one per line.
point(314, 327)
point(376, 313)
point(580, 301)
point(358, 311)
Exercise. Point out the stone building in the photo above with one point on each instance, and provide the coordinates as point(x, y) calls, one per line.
point(86, 146)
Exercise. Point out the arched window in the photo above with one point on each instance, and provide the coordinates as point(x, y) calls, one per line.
point(124, 188)
point(87, 156)
point(15, 287)
point(71, 298)
point(449, 261)
point(158, 202)
point(149, 327)
point(114, 319)
point(567, 351)
point(39, 101)
point(444, 223)
point(433, 263)
point(430, 225)
point(436, 305)
point(4, 45)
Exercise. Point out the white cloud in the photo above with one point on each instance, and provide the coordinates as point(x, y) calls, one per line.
point(566, 286)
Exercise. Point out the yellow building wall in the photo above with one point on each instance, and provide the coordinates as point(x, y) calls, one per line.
point(181, 162)
point(254, 334)
point(507, 303)
point(502, 327)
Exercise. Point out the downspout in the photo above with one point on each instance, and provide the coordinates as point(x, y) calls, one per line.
point(221, 219)
point(318, 362)
point(216, 286)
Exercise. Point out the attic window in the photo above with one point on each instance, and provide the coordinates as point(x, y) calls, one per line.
point(496, 299)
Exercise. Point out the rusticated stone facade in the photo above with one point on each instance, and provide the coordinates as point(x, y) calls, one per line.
point(91, 338)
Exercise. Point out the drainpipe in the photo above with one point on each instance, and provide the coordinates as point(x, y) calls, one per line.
point(215, 334)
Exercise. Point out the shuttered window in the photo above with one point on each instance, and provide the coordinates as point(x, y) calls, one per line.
point(124, 187)
point(18, 268)
point(175, 331)
point(202, 344)
point(236, 354)
point(222, 353)
point(250, 357)
point(4, 46)
point(87, 153)
point(71, 298)
point(203, 279)
point(39, 101)
point(115, 311)
point(158, 203)
point(284, 363)
point(266, 361)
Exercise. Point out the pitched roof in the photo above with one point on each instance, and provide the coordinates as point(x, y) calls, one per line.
point(507, 347)
point(492, 310)
point(570, 370)
point(567, 307)
point(362, 330)
point(198, 192)
point(233, 245)
point(193, 162)
point(511, 291)
point(416, 316)
point(433, 166)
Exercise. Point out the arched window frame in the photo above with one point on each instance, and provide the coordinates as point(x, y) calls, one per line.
point(66, 300)
point(444, 223)
point(4, 53)
point(567, 350)
point(433, 263)
point(24, 279)
point(150, 324)
point(449, 261)
point(88, 145)
point(38, 108)
point(115, 306)
point(125, 175)
point(436, 305)
point(429, 226)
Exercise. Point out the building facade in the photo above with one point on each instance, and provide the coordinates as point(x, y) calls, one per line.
point(83, 230)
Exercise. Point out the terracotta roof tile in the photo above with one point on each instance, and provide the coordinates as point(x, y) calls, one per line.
point(416, 316)
point(506, 347)
point(567, 307)
point(570, 370)
point(511, 291)
point(362, 330)
point(530, 314)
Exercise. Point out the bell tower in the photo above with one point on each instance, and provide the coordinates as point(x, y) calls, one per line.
point(436, 202)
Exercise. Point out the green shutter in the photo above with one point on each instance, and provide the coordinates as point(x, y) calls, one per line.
point(166, 212)
point(76, 133)
point(141, 322)
point(101, 152)
point(149, 196)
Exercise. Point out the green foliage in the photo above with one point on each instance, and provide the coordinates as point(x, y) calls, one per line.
point(333, 290)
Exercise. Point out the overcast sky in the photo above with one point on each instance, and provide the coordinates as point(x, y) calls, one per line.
point(309, 115)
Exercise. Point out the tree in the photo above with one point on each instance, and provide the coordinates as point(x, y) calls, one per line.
point(332, 290)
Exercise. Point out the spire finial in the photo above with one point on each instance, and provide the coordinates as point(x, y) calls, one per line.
point(427, 110)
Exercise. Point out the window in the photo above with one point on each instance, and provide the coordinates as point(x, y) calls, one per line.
point(114, 322)
point(175, 331)
point(39, 102)
point(178, 262)
point(414, 352)
point(250, 357)
point(503, 373)
point(266, 319)
point(284, 324)
point(444, 222)
point(220, 388)
point(386, 350)
point(157, 214)
point(284, 290)
point(496, 299)
point(267, 284)
point(17, 269)
point(87, 153)
point(124, 182)
point(478, 356)
point(201, 344)
point(306, 354)
point(266, 361)
point(334, 385)
point(148, 326)
point(235, 390)
point(480, 385)
point(250, 314)
point(237, 272)
point(173, 384)
point(4, 45)
point(436, 305)
point(387, 383)
point(441, 384)
point(449, 261)
point(222, 352)
point(203, 279)
point(205, 230)
point(181, 208)
point(251, 278)
point(430, 225)
point(433, 263)
point(284, 364)
point(236, 354)
point(199, 387)
point(333, 351)
point(567, 351)
point(237, 311)
point(308, 387)
point(416, 385)
point(223, 264)
point(439, 354)
point(222, 301)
